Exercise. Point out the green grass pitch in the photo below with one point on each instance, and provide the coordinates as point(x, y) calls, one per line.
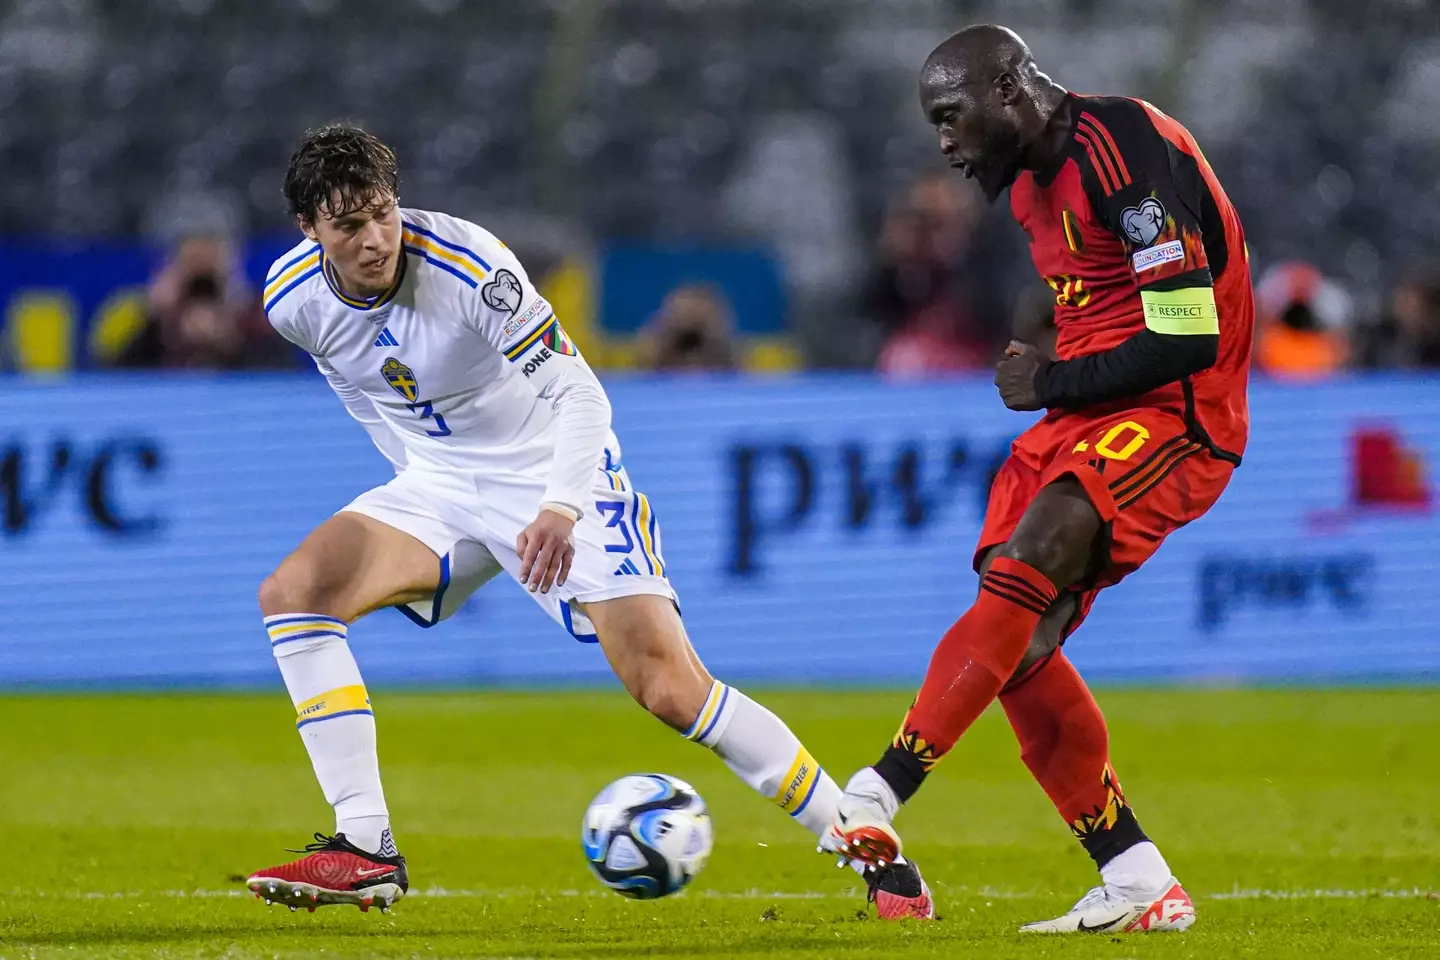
point(1305, 824)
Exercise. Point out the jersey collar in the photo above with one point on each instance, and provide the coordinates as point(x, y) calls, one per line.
point(1061, 122)
point(360, 303)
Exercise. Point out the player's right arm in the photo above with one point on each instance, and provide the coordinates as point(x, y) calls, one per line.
point(283, 306)
point(386, 440)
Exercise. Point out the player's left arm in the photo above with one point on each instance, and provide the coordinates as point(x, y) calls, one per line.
point(1157, 216)
point(522, 325)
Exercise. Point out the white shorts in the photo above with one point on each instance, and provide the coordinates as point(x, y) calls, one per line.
point(472, 523)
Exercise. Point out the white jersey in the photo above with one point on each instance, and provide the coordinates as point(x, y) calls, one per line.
point(460, 366)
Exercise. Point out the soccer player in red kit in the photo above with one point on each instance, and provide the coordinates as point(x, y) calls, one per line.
point(1145, 421)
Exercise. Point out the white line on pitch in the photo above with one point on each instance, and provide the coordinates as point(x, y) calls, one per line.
point(1414, 893)
point(981, 893)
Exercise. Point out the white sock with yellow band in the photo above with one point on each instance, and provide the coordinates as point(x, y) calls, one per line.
point(762, 751)
point(336, 723)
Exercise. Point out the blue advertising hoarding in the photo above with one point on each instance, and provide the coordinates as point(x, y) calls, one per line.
point(819, 530)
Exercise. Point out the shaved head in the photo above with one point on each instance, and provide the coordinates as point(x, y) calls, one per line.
point(977, 54)
point(983, 93)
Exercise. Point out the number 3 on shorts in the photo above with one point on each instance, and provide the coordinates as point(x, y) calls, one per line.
point(1120, 442)
point(616, 509)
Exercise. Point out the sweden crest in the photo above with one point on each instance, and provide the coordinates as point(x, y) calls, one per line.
point(402, 378)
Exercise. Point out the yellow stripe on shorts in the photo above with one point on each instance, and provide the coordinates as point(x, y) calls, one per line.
point(647, 543)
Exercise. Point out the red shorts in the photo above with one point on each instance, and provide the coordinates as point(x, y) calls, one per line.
point(1140, 468)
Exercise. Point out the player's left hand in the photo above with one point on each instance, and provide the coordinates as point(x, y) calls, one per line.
point(1016, 374)
point(546, 548)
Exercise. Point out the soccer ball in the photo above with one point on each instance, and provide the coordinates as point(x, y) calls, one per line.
point(647, 835)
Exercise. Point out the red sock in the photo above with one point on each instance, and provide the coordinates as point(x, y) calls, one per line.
point(1064, 742)
point(972, 662)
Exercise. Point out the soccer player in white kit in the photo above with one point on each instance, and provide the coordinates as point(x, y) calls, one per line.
point(433, 337)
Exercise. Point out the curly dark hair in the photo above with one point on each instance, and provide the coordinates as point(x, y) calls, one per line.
point(339, 158)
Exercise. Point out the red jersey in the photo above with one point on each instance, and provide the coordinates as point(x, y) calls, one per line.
point(1132, 204)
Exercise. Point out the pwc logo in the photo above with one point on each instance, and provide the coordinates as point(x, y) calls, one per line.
point(1387, 477)
point(1385, 471)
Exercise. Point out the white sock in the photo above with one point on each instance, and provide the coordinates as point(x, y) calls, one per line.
point(762, 751)
point(335, 721)
point(869, 784)
point(1139, 870)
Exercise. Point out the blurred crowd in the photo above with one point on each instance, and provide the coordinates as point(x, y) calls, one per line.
point(202, 313)
point(787, 126)
point(949, 283)
point(950, 287)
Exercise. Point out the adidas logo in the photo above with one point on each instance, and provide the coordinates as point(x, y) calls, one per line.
point(386, 339)
point(627, 568)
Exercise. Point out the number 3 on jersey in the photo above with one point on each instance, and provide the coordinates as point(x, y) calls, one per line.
point(427, 412)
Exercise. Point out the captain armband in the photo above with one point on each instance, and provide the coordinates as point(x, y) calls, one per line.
point(1190, 310)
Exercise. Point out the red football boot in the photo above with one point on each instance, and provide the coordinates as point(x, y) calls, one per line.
point(334, 870)
point(899, 892)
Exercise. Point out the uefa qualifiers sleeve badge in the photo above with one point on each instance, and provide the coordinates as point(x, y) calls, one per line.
point(1144, 223)
point(503, 293)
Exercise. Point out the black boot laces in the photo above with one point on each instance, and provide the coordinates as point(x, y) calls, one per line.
point(323, 842)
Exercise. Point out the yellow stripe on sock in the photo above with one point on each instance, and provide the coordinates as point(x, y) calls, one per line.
point(353, 699)
point(793, 789)
point(286, 629)
point(707, 712)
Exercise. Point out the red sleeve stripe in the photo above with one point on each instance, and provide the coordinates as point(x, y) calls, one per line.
point(1112, 151)
point(1107, 181)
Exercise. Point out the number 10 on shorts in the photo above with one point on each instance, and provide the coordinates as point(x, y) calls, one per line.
point(1120, 442)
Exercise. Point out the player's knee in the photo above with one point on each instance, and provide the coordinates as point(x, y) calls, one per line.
point(1057, 533)
point(1048, 551)
point(1036, 652)
point(291, 589)
point(667, 692)
point(1046, 639)
point(663, 702)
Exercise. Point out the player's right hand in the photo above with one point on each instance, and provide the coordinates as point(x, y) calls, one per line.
point(1016, 374)
point(546, 549)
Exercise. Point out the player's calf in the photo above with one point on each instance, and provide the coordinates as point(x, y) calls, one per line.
point(1049, 550)
point(308, 603)
point(645, 642)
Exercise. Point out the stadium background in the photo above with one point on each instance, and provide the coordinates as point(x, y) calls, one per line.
point(735, 208)
point(742, 218)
